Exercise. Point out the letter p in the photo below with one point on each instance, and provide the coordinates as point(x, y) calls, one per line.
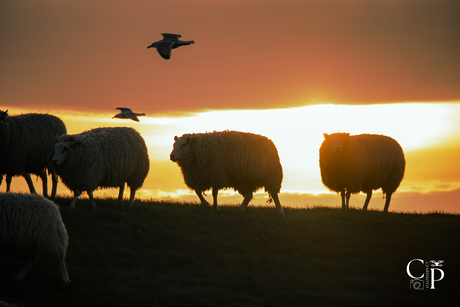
point(432, 276)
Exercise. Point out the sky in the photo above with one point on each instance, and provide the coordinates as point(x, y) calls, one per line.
point(290, 70)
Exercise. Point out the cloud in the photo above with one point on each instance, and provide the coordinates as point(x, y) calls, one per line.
point(427, 202)
point(435, 164)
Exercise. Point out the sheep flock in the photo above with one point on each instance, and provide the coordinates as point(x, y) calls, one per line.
point(110, 157)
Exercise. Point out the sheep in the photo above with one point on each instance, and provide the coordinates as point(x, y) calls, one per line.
point(361, 163)
point(229, 159)
point(31, 226)
point(26, 141)
point(101, 158)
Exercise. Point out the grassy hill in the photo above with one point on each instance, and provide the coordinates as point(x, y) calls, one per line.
point(170, 254)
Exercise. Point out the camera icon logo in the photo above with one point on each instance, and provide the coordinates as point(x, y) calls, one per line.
point(417, 284)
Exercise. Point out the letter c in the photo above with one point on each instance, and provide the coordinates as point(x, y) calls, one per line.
point(408, 270)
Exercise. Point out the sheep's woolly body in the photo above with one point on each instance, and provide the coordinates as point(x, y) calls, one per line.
point(26, 142)
point(31, 226)
point(361, 163)
point(104, 158)
point(229, 159)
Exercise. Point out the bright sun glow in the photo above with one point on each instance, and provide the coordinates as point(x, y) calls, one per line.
point(296, 132)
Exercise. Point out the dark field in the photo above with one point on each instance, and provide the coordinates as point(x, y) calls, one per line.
point(170, 254)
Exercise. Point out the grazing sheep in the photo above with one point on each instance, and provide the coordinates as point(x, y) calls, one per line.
point(101, 157)
point(229, 159)
point(361, 163)
point(31, 226)
point(26, 141)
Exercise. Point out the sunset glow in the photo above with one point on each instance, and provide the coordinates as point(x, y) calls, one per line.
point(298, 134)
point(288, 70)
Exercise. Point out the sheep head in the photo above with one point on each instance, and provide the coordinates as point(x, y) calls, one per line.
point(61, 151)
point(336, 142)
point(181, 149)
point(3, 116)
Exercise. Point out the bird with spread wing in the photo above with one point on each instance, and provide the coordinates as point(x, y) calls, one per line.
point(169, 42)
point(126, 113)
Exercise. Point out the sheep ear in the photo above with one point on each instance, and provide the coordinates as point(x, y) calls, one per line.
point(58, 138)
point(3, 115)
point(76, 143)
point(325, 136)
point(176, 138)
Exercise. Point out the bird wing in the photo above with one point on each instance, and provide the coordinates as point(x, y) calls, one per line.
point(132, 116)
point(124, 110)
point(171, 37)
point(181, 43)
point(164, 49)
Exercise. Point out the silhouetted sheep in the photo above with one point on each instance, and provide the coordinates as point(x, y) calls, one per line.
point(101, 158)
point(361, 163)
point(31, 226)
point(229, 159)
point(26, 142)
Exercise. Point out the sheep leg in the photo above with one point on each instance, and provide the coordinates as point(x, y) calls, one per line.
point(29, 183)
point(45, 183)
point(246, 200)
point(63, 270)
point(54, 179)
point(277, 203)
point(348, 199)
point(76, 194)
point(120, 194)
point(203, 201)
point(345, 199)
point(387, 202)
point(8, 182)
point(214, 197)
point(91, 198)
point(368, 199)
point(131, 197)
point(25, 270)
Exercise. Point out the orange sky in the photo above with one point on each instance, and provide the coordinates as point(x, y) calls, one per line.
point(90, 57)
point(429, 133)
point(247, 54)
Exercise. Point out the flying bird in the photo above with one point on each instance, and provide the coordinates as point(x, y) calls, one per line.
point(126, 113)
point(169, 42)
